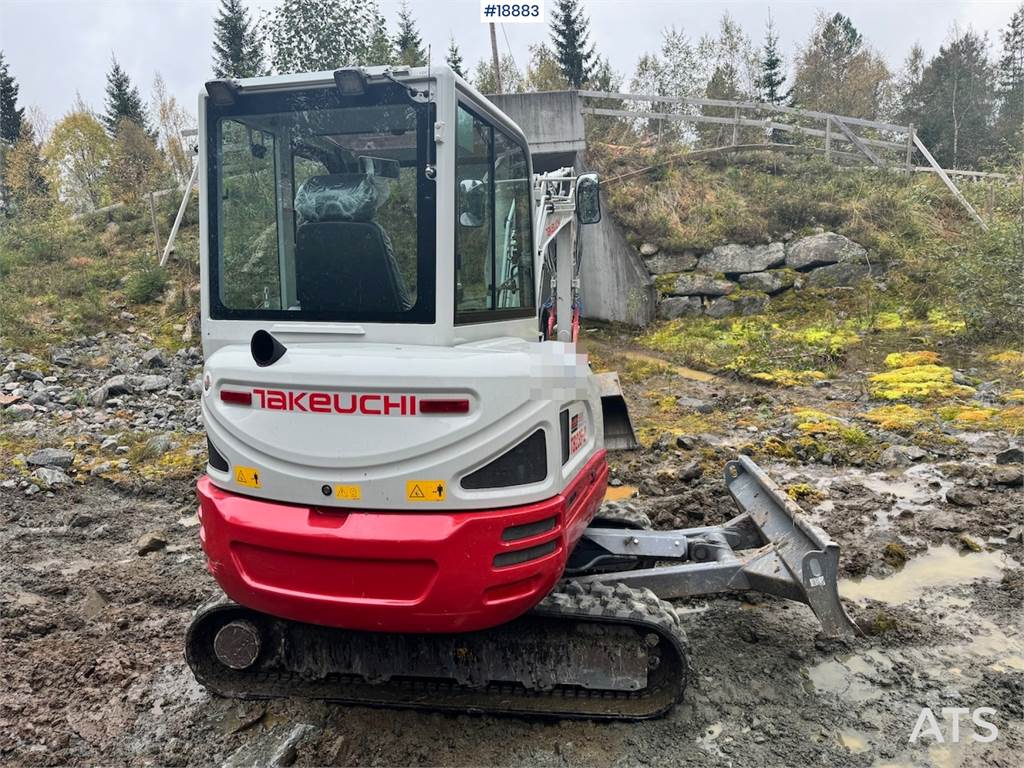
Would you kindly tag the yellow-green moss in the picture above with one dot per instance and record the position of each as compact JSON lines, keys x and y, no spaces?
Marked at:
{"x":908,"y":359}
{"x":666,"y":283}
{"x":1010,"y":361}
{"x":1012,"y":419}
{"x":783,"y":377}
{"x":1014,"y":396}
{"x":798,"y":491}
{"x":967,"y":415}
{"x":916,"y":382}
{"x":897,"y":418}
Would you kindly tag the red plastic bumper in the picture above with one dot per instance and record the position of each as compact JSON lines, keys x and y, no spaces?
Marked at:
{"x":394,"y":571}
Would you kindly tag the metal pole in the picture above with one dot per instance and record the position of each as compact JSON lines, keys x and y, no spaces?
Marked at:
{"x":494,"y":58}
{"x":181,"y":214}
{"x":736,"y":126}
{"x":828,"y":139}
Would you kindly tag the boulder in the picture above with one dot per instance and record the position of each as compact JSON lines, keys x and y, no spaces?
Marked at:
{"x":1007,"y":475}
{"x":822,"y":249}
{"x":648,"y":249}
{"x":666,"y":263}
{"x":772,"y":281}
{"x":118,"y":385}
{"x":153,"y":358}
{"x":679,"y":306}
{"x":51,"y":477}
{"x":99,"y":396}
{"x":750,"y":303}
{"x":51,"y":457}
{"x":736,"y":259}
{"x":901,"y":455}
{"x":1010,"y":456}
{"x":842,"y":275}
{"x":701,"y":285}
{"x":150,"y":542}
{"x":963,"y":497}
{"x":152,"y":383}
{"x":20,"y":412}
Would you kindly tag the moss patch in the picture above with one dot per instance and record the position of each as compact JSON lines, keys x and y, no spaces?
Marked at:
{"x":916,"y":382}
{"x":898,"y":418}
{"x":909,"y":359}
{"x":784,"y":377}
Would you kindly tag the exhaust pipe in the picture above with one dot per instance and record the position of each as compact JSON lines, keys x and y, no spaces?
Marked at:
{"x":266,"y":350}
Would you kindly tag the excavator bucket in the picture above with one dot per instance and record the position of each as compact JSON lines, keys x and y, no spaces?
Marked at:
{"x":618,"y":428}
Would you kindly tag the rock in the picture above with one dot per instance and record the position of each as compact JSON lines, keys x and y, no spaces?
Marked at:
{"x":772,"y":281}
{"x":157,"y":445}
{"x":108,"y":443}
{"x":39,"y":398}
{"x":901,"y":455}
{"x":150,"y":542}
{"x":99,"y":396}
{"x":118,"y":385}
{"x":275,"y":747}
{"x":944,"y":520}
{"x":20,"y":412}
{"x":673,"y":307}
{"x":963,"y":497}
{"x":1010,"y":456}
{"x":695,"y":284}
{"x":648,"y":249}
{"x":51,"y":457}
{"x":843,"y":275}
{"x":152,"y":383}
{"x":970,"y":544}
{"x":746,"y":304}
{"x":819,"y":250}
{"x":694,"y":404}
{"x":154,"y":358}
{"x":93,"y":603}
{"x":51,"y":477}
{"x":736,"y":259}
{"x":665,"y":263}
{"x":686,"y":443}
{"x":691,"y":471}
{"x":1004,"y":475}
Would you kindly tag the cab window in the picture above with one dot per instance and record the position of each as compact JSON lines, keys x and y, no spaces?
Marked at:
{"x":493,"y":235}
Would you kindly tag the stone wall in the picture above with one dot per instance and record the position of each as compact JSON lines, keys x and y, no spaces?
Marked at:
{"x":741,"y":279}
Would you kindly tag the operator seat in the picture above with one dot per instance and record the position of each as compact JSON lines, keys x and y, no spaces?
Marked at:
{"x":344,"y":261}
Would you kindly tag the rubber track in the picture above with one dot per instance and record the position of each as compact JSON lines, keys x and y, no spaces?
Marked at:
{"x":573,"y":602}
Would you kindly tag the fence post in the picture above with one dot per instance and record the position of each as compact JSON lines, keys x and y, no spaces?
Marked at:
{"x":910,"y":150}
{"x":152,"y":213}
{"x":828,"y":138}
{"x":736,"y":126}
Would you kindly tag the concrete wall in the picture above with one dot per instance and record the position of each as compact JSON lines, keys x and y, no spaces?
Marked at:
{"x":614,"y":282}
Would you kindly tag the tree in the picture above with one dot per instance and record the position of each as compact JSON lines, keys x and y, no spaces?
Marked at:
{"x":408,"y":44}
{"x":672,"y":71}
{"x":728,"y":72}
{"x":511,"y":80}
{"x":573,"y":50}
{"x":907,"y":105}
{"x":1010,"y":85}
{"x":24,"y":183}
{"x":77,"y":157}
{"x":379,"y":51}
{"x":237,"y":47}
{"x":318,"y":35}
{"x":837,"y":72}
{"x":454,"y":57}
{"x":136,"y":166}
{"x":958,"y":101}
{"x":11,"y":114}
{"x":171,"y":120}
{"x":123,"y":101}
{"x":543,"y":72}
{"x":771,"y":78}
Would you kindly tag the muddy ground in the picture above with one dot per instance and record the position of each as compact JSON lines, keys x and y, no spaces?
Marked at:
{"x":92,"y":630}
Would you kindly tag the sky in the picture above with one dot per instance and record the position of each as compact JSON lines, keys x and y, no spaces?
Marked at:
{"x":57,"y":48}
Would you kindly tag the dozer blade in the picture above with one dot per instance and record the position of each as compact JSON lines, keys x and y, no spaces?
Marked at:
{"x":618,"y":428}
{"x":801,"y":561}
{"x":768,"y":547}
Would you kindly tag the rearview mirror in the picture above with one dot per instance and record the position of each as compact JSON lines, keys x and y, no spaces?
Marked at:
{"x":472,"y":203}
{"x":380,"y":166}
{"x":588,"y":198}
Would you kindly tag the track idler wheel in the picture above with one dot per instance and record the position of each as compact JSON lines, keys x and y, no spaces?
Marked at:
{"x":237,"y":644}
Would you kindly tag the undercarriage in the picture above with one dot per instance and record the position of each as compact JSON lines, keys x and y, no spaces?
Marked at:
{"x":604,"y":644}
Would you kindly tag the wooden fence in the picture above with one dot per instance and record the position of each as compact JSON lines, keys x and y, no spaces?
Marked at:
{"x":889,"y":146}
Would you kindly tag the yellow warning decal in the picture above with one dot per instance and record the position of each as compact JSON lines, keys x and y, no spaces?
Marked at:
{"x":426,"y":490}
{"x":247,"y":476}
{"x":347,"y":492}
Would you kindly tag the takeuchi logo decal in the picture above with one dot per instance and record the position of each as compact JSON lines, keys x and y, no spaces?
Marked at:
{"x":370,"y":404}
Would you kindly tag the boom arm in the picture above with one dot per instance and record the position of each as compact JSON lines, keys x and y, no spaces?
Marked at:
{"x":557,"y":223}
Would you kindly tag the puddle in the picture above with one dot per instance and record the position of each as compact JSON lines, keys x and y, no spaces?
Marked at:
{"x":845,"y":679}
{"x":855,"y":741}
{"x":941,"y":566}
{"x":679,"y":370}
{"x":621,"y":493}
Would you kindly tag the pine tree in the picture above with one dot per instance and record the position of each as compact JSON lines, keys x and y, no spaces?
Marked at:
{"x":318,"y":35}
{"x":237,"y":47}
{"x":454,"y":57}
{"x":772,"y":78}
{"x":123,"y":101}
{"x":1010,"y":84}
{"x":408,"y":44}
{"x":569,"y":33}
{"x":11,"y":115}
{"x":378,"y":47}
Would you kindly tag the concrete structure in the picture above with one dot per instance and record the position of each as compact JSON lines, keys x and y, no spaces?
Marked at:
{"x":615,"y":283}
